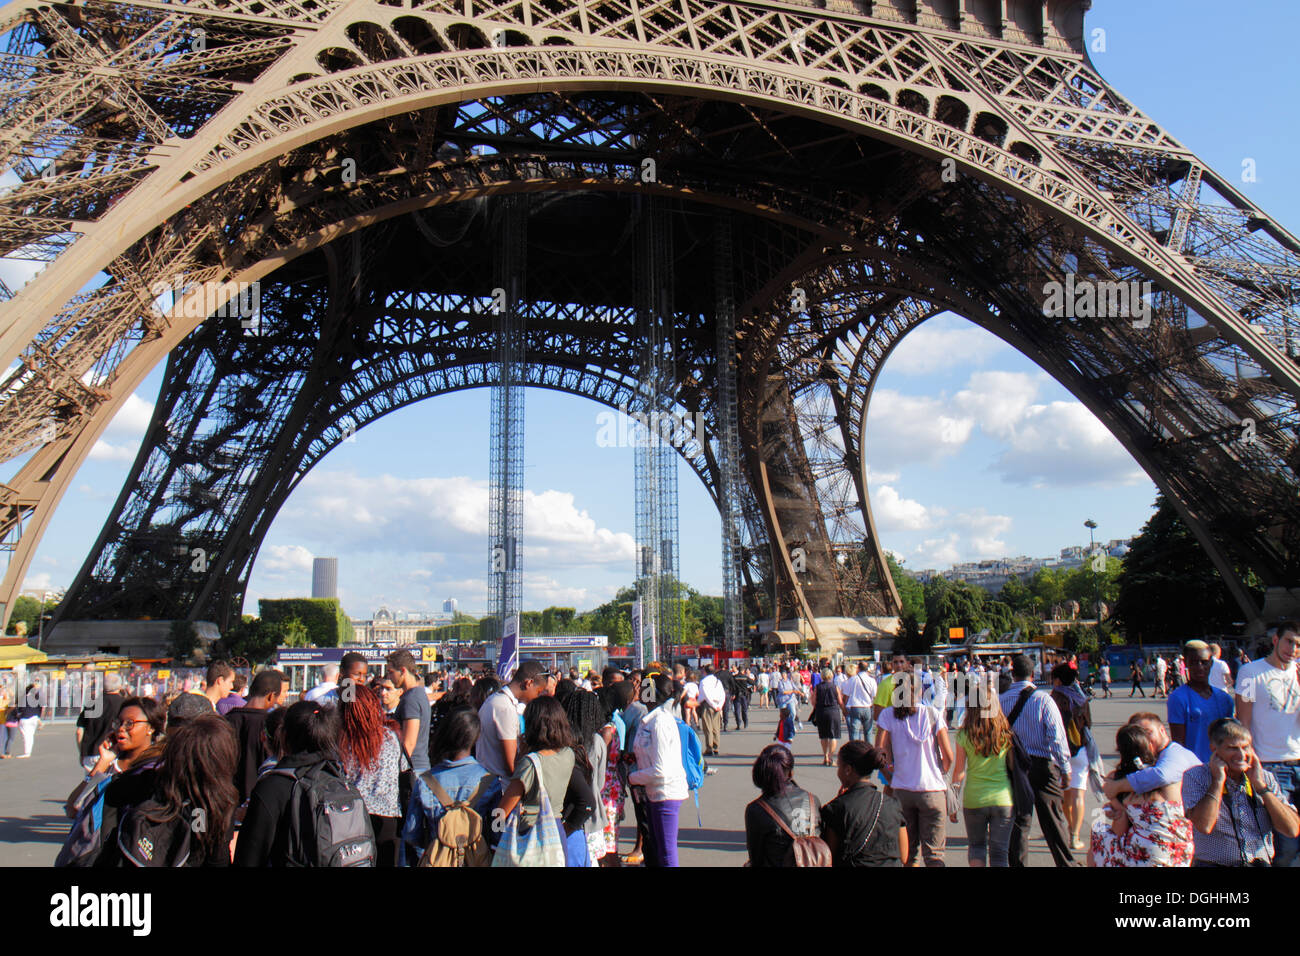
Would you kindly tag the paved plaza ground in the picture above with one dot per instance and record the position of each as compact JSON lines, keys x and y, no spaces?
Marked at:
{"x":32,"y":791}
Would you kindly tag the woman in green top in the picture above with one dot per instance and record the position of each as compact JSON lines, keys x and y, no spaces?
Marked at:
{"x":982,"y":745}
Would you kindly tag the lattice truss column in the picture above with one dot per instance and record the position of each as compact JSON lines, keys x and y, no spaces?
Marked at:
{"x":506,"y":470}
{"x":655,"y":472}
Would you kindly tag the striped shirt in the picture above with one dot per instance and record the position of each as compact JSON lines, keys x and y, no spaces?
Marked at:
{"x":1039,"y":725}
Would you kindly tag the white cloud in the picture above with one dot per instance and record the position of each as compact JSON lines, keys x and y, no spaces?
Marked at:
{"x":1059,"y":443}
{"x":939,"y":344}
{"x":435,"y":516}
{"x":37,"y":582}
{"x":282,"y":558}
{"x":103,"y":451}
{"x":892,"y":512}
{"x":132,"y":418}
{"x":911,"y":428}
{"x":126,"y":429}
{"x":1064,"y":444}
{"x":982,"y":533}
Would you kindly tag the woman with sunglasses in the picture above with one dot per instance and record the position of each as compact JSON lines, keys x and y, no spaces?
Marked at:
{"x":124,"y":775}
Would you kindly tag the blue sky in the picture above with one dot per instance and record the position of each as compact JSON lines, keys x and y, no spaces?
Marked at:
{"x":973,"y":451}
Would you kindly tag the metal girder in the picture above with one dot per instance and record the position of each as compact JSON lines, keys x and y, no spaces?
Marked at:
{"x":217,"y":142}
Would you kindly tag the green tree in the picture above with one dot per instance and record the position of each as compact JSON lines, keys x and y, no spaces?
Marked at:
{"x":910,"y":591}
{"x":1083,"y":583}
{"x":252,"y":639}
{"x":183,"y":642}
{"x":294,"y":633}
{"x":1018,"y":596}
{"x":326,"y":623}
{"x":1169,"y":590}
{"x":28,"y":610}
{"x":1048,"y":587}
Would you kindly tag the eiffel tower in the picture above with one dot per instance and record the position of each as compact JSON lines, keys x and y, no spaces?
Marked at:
{"x":817,"y":178}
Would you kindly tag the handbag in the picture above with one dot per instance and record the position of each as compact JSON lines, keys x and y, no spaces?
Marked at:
{"x":805,"y":850}
{"x":1019,"y":762}
{"x":543,"y":844}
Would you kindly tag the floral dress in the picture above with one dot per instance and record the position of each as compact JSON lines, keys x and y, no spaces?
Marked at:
{"x":612,"y":794}
{"x":1158,"y":835}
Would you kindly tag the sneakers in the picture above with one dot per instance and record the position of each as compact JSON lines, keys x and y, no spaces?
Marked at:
{"x":710,"y":771}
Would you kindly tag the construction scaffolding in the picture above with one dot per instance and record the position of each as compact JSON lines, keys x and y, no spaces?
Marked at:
{"x":658,"y":551}
{"x":728,"y":438}
{"x":506,"y":481}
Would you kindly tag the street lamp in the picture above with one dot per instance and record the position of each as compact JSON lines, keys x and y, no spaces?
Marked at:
{"x":1092,"y":547}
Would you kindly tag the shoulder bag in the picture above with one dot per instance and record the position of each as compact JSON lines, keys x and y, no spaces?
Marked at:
{"x":1019,"y":761}
{"x":804,"y":850}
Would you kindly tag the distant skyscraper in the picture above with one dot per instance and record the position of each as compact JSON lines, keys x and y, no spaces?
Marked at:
{"x":449,"y":606}
{"x":325,"y":578}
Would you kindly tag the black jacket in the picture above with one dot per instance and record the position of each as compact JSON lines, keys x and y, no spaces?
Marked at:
{"x":264,"y":837}
{"x":248,"y":723}
{"x":95,"y":729}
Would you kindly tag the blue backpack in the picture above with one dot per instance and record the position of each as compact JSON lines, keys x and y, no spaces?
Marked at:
{"x":692,"y":755}
{"x":85,"y":841}
{"x":692,"y":761}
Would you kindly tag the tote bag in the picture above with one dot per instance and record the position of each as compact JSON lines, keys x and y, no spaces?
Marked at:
{"x":543,"y":845}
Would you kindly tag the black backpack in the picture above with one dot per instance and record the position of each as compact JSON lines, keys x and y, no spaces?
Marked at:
{"x":328,"y":821}
{"x":145,"y":843}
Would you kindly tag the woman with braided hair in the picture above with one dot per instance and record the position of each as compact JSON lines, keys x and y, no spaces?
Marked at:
{"x":371,"y":755}
{"x":591,"y":736}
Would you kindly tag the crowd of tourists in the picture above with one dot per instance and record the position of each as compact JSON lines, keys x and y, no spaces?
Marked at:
{"x":392,"y":769}
{"x":1212,"y":784}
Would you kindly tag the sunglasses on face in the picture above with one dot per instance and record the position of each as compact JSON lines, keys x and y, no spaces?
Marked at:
{"x":127,"y":725}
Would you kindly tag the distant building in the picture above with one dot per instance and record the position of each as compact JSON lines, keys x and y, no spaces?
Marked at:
{"x":992,"y":573}
{"x":450,"y":606}
{"x":395,"y":627}
{"x":325,"y":578}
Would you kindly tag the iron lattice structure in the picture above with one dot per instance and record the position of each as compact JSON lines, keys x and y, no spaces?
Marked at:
{"x":506,"y":465}
{"x":887,"y":159}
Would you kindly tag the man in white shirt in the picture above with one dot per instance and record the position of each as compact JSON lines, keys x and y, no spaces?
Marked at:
{"x":329,"y":683}
{"x":1268,"y":702}
{"x":713,"y":697}
{"x":859,"y":691}
{"x":1162,"y":668}
{"x":1220,"y":672}
{"x":499,"y":731}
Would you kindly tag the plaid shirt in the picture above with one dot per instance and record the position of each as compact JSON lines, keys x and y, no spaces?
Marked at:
{"x":1243,"y":834}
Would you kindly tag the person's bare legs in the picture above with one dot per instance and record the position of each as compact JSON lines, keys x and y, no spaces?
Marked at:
{"x":1073,"y":805}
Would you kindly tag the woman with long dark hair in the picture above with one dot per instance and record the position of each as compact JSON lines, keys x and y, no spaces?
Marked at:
{"x":456,"y":697}
{"x":614,"y":789}
{"x":1144,"y":829}
{"x":370,"y":753}
{"x":123,"y":775}
{"x":455,"y":776}
{"x":483,"y":688}
{"x":547,"y":762}
{"x":591,"y":734}
{"x":194,"y":798}
{"x":310,"y":736}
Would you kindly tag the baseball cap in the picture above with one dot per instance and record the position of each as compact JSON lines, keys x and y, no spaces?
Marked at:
{"x":187,"y":707}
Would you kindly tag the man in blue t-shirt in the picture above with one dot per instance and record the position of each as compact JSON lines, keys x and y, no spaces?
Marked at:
{"x":413,"y":710}
{"x":1195,"y":705}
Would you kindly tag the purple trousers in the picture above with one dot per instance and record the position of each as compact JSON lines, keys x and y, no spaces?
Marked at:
{"x":661,"y":843}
